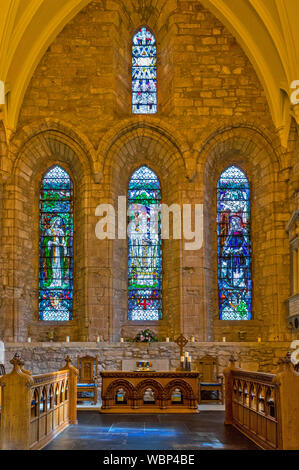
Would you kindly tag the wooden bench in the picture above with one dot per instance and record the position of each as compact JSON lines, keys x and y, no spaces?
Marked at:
{"x":35,"y":409}
{"x":263,"y":406}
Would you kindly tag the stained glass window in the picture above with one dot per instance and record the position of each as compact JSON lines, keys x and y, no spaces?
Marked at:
{"x":56,"y":246}
{"x":144,"y":246}
{"x":144,"y":72}
{"x":234,"y":246}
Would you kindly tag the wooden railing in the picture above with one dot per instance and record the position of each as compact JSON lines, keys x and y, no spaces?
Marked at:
{"x":0,"y":392}
{"x":264,"y":407}
{"x":35,"y":409}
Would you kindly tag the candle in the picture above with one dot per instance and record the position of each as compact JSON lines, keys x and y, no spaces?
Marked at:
{"x":121,"y":340}
{"x":186,"y":354}
{"x":182,"y":358}
{"x":98,"y":339}
{"x":193,"y":339}
{"x":259,"y":340}
{"x":224,"y":339}
{"x":67,"y":339}
{"x":29,"y":339}
{"x":167,"y":340}
{"x":189,"y":359}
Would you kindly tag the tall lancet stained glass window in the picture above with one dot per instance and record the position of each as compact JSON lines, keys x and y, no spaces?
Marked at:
{"x":144,"y":72}
{"x":234,"y":246}
{"x":56,"y":246}
{"x":144,"y":246}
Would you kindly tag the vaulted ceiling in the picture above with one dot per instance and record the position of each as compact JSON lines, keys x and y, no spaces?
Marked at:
{"x":266,"y":29}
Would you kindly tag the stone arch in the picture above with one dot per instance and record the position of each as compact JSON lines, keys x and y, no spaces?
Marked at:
{"x":181,"y":385}
{"x":50,"y":137}
{"x":121,"y":152}
{"x":253,"y":153}
{"x":117,"y":384}
{"x":153,"y":384}
{"x":140,"y":128}
{"x":35,"y":149}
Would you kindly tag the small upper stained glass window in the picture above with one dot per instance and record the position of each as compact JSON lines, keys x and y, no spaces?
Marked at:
{"x":144,"y":72}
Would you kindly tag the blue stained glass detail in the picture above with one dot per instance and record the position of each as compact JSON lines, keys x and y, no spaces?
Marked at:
{"x":144,"y":246}
{"x":144,"y":72}
{"x":56,"y":246}
{"x":234,"y":245}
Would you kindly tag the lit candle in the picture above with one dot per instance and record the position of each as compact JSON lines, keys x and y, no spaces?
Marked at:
{"x":67,"y":339}
{"x":259,"y":340}
{"x":186,"y":354}
{"x":182,"y":358}
{"x":224,"y":339}
{"x":98,"y":339}
{"x":189,"y":359}
{"x":121,"y":340}
{"x":29,"y":339}
{"x":193,"y":339}
{"x":167,"y":340}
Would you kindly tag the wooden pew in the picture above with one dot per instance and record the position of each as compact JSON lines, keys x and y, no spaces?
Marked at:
{"x":2,"y":372}
{"x":264,"y":407}
{"x":35,"y":409}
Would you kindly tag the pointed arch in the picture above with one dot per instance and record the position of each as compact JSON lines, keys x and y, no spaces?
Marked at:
{"x":56,"y":246}
{"x":234,"y":245}
{"x":144,"y":72}
{"x":144,"y":246}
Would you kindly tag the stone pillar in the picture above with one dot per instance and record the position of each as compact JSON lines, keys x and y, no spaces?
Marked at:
{"x":293,"y":302}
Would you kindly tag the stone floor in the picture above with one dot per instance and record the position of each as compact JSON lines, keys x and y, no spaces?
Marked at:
{"x":97,"y":431}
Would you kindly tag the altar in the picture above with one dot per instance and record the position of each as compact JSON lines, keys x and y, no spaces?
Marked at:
{"x":149,"y":392}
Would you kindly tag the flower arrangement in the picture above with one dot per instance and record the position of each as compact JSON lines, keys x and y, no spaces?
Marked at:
{"x":146,"y":336}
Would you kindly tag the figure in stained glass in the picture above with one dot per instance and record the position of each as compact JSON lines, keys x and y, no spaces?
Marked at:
{"x":234,"y":246}
{"x":144,"y":72}
{"x":144,"y":246}
{"x":58,"y":252}
{"x":56,"y":246}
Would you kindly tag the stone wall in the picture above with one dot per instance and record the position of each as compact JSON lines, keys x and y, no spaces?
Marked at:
{"x":47,"y":357}
{"x":212,"y":113}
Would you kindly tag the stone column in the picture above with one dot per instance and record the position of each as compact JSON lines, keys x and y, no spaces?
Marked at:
{"x":295,"y":254}
{"x":293,"y":301}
